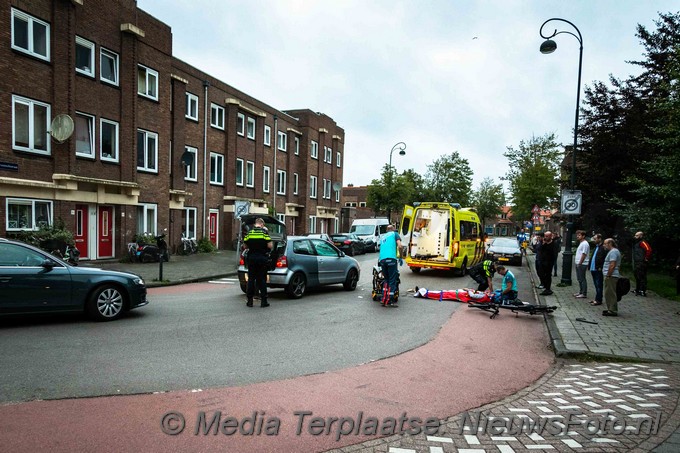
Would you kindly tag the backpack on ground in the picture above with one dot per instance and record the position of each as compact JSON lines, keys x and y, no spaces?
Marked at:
{"x":622,"y":287}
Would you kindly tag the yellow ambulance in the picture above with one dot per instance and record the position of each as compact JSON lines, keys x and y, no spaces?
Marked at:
{"x":441,"y":236}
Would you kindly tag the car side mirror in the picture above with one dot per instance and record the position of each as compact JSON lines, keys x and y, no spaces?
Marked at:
{"x":341,"y":254}
{"x":48,"y":264}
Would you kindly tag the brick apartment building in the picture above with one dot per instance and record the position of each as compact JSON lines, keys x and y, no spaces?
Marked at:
{"x":157,"y":143}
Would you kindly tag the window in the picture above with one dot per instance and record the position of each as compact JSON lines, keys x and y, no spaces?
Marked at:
{"x":328,"y":155}
{"x":251,"y":128}
{"x":24,"y":214}
{"x":312,"y":186}
{"x":84,"y":56}
{"x":283,"y":141}
{"x":468,"y":230}
{"x":315,"y":150}
{"x":192,"y":107}
{"x":147,"y":82}
{"x":297,"y":145}
{"x":239,"y":172}
{"x":189,"y":221}
{"x":250,"y":174}
{"x":295,"y":183}
{"x":108,"y":140}
{"x":267,"y":135}
{"x":146,"y":219}
{"x":147,"y":151}
{"x":265,"y":179}
{"x":337,"y":196}
{"x":190,"y":171}
{"x":281,"y":217}
{"x":240,"y":125}
{"x":217,"y":116}
{"x":84,"y":135}
{"x":217,"y":169}
{"x":108,"y":66}
{"x":30,"y":125}
{"x":280,"y":182}
{"x":362,"y":204}
{"x":337,"y":159}
{"x":30,"y":35}
{"x":327,"y":189}
{"x":312,"y":223}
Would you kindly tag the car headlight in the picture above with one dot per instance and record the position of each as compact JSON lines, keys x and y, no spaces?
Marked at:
{"x":139,"y":281}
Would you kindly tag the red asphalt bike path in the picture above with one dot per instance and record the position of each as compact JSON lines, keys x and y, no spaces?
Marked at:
{"x":472,"y":361}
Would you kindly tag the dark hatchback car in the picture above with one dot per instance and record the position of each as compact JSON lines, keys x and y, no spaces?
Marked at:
{"x":349,"y":243}
{"x":33,"y":281}
{"x":505,"y":250}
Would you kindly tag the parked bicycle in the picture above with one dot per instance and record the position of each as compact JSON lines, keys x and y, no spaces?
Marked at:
{"x":187,"y":246}
{"x":70,"y":254}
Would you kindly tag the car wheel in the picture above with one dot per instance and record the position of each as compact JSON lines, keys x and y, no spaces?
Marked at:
{"x":106,"y":303}
{"x":463,"y":268}
{"x":415,"y":270}
{"x":244,"y":287}
{"x":297,"y":286}
{"x":350,"y":251}
{"x":351,"y":280}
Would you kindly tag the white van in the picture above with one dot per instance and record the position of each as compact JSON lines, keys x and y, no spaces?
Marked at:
{"x":369,"y":230}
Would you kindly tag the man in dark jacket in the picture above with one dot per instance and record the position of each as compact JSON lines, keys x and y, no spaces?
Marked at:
{"x":642,"y":252}
{"x":483,"y":274}
{"x":547,"y":254}
{"x":259,"y":244}
{"x":596,"y":263}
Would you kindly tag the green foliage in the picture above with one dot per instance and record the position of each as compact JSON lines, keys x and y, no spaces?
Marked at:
{"x":488,"y":200}
{"x":145,"y":239}
{"x":205,"y":246}
{"x":391,"y":192}
{"x":449,"y":179}
{"x":47,"y":237}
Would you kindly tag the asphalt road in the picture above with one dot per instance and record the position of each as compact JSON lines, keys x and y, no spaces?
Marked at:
{"x":203,"y":336}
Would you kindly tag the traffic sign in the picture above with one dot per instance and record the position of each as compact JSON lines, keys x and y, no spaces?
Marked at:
{"x":571,"y":202}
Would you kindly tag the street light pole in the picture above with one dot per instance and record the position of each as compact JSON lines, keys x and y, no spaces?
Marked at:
{"x":401,"y":146}
{"x":549,"y":46}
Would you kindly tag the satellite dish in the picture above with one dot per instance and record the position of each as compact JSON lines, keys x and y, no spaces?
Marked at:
{"x":337,"y":186}
{"x":61,"y":128}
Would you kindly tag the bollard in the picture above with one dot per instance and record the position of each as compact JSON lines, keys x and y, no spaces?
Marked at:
{"x":160,"y":266}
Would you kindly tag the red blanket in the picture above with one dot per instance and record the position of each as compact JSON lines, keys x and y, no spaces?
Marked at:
{"x":461,"y":295}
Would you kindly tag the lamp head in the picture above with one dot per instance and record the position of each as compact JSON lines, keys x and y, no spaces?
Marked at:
{"x":548,"y":46}
{"x":402,"y":152}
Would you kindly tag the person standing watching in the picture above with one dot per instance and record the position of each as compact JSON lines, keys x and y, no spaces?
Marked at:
{"x":390,"y":251}
{"x":612,"y":263}
{"x":259,"y":245}
{"x":596,"y":263}
{"x":581,"y":259}
{"x":483,"y":273}
{"x":547,"y":254}
{"x":642,"y":252}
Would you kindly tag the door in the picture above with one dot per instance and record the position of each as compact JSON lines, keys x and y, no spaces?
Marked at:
{"x":105,"y":232}
{"x":80,"y":234}
{"x":331,"y":268}
{"x":212,"y":226}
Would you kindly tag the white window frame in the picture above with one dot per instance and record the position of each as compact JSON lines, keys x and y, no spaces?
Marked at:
{"x":191,"y":106}
{"x":266,"y":175}
{"x":241,"y":124}
{"x":30,"y":24}
{"x":296,"y":180}
{"x":326,"y":189}
{"x":30,"y":103}
{"x":281,"y":180}
{"x":103,"y":121}
{"x":216,"y":169}
{"x":113,"y":56}
{"x":314,"y":152}
{"x":88,"y":45}
{"x":147,"y":135}
{"x":91,"y":127}
{"x":190,"y":214}
{"x":297,"y":145}
{"x":250,"y":128}
{"x":217,"y":116}
{"x":267,"y":135}
{"x":328,"y":158}
{"x":313,"y":183}
{"x":312,"y":224}
{"x":250,"y":174}
{"x":240,"y":169}
{"x":282,"y":141}
{"x":337,"y":196}
{"x":191,"y":171}
{"x":362,"y":204}
{"x":142,"y":227}
{"x":150,"y":75}
{"x":27,"y":202}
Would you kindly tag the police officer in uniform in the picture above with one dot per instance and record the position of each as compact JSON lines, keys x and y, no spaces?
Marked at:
{"x":259,"y":245}
{"x":483,"y":274}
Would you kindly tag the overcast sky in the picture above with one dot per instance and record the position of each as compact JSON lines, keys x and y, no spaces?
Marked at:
{"x":441,"y":75}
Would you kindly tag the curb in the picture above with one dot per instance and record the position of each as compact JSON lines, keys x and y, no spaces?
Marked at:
{"x":157,"y":284}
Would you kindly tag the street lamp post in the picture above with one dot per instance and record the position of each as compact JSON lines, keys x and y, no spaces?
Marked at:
{"x":401,"y":146}
{"x":549,"y":46}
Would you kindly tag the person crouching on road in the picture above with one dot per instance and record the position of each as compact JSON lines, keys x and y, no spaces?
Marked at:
{"x":509,"y":284}
{"x":390,"y":251}
{"x":483,"y":273}
{"x":259,"y":245}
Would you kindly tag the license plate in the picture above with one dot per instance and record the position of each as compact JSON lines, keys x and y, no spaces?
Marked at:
{"x":503,"y":259}
{"x":337,"y":243}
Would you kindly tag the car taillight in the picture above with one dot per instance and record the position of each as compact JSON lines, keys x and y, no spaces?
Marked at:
{"x":282,"y":262}
{"x":347,"y":242}
{"x":455,"y":248}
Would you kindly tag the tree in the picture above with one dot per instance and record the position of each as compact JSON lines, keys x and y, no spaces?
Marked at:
{"x":489,"y":200}
{"x":449,"y":179}
{"x":534,"y":174}
{"x":391,"y":192}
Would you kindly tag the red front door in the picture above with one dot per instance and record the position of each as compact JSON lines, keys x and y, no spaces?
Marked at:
{"x":80,"y":230}
{"x":212,"y":220}
{"x":105,"y":231}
